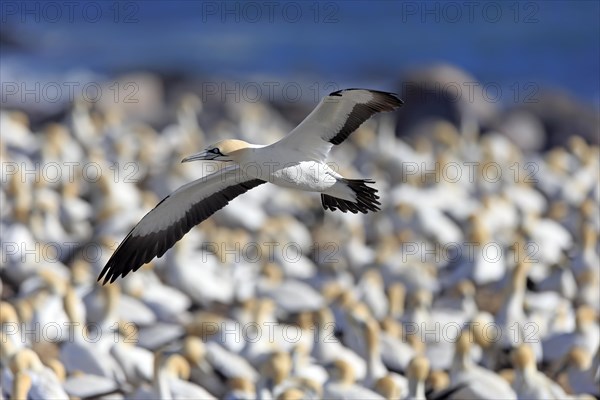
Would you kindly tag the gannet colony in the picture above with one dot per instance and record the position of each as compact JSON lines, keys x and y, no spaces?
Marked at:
{"x":467,"y":266}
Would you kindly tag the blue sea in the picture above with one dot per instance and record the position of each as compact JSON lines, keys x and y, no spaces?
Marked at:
{"x":552,"y":44}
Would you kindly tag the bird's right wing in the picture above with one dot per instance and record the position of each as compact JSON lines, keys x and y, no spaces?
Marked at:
{"x":173,"y":217}
{"x":335,"y":118}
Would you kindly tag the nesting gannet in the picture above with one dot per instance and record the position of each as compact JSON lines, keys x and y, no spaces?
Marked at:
{"x":480,"y":383}
{"x":136,"y":362}
{"x":11,"y":327}
{"x":580,"y":373}
{"x":418,"y":369}
{"x":44,"y":383}
{"x":79,"y":353}
{"x":211,"y":364}
{"x":327,"y":348}
{"x":171,"y":374}
{"x":240,"y":389}
{"x":21,"y":385}
{"x":85,"y":386}
{"x":297,"y":161}
{"x":275,"y":371}
{"x":371,"y":290}
{"x":396,"y":352}
{"x":586,"y":335}
{"x":303,"y":366}
{"x":167,"y":303}
{"x":529,"y":383}
{"x":342,"y":384}
{"x":291,"y":295}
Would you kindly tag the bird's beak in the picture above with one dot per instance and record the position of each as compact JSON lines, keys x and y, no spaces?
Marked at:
{"x":203,"y":155}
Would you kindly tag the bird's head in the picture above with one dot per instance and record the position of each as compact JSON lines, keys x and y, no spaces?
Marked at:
{"x":224,"y":150}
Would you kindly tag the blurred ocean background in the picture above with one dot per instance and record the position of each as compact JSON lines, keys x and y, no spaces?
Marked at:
{"x":555,"y":44}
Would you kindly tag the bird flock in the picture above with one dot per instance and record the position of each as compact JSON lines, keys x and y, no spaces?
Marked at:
{"x":479,"y":278}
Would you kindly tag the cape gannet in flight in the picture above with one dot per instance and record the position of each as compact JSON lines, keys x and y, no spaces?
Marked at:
{"x":296,"y":161}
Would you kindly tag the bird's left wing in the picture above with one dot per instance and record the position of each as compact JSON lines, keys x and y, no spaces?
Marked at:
{"x":173,"y":217}
{"x":335,"y":118}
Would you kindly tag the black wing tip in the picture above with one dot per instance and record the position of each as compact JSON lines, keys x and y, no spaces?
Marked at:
{"x":389,"y":97}
{"x":131,"y":255}
{"x":363,"y":110}
{"x":100,"y":278}
{"x":366,"y":198}
{"x":109,"y":273}
{"x":135,"y":251}
{"x":115,"y":264}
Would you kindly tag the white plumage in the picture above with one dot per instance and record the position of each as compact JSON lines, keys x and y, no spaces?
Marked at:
{"x":297,"y":161}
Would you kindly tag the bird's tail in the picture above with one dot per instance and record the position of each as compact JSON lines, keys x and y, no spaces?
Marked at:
{"x":366,"y":198}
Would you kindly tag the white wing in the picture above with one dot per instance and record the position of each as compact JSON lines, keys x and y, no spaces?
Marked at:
{"x":335,"y":118}
{"x":173,"y":217}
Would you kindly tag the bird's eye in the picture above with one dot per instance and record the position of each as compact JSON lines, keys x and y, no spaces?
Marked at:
{"x":215,"y":151}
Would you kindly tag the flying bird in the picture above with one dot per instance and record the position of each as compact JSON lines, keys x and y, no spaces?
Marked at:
{"x":296,"y":161}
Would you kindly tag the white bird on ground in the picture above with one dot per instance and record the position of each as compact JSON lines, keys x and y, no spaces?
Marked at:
{"x":585,"y":335}
{"x":163,"y":302}
{"x":85,"y":386}
{"x":371,"y":291}
{"x":136,"y":362}
{"x":588,"y":259}
{"x":396,"y":352}
{"x":215,"y":284}
{"x":418,"y":369}
{"x":512,"y":315}
{"x":277,"y":383}
{"x":304,"y":366}
{"x":44,"y":382}
{"x":529,"y":383}
{"x":240,"y":389}
{"x":550,"y":237}
{"x":327,"y":348}
{"x":297,"y":161}
{"x":580,"y":372}
{"x":21,"y":386}
{"x":83,"y":352}
{"x":275,"y":370}
{"x":11,"y":327}
{"x":376,"y":370}
{"x":48,"y":306}
{"x":211,"y":363}
{"x":480,"y":383}
{"x":170,"y":381}
{"x":342,"y":384}
{"x":291,"y":295}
